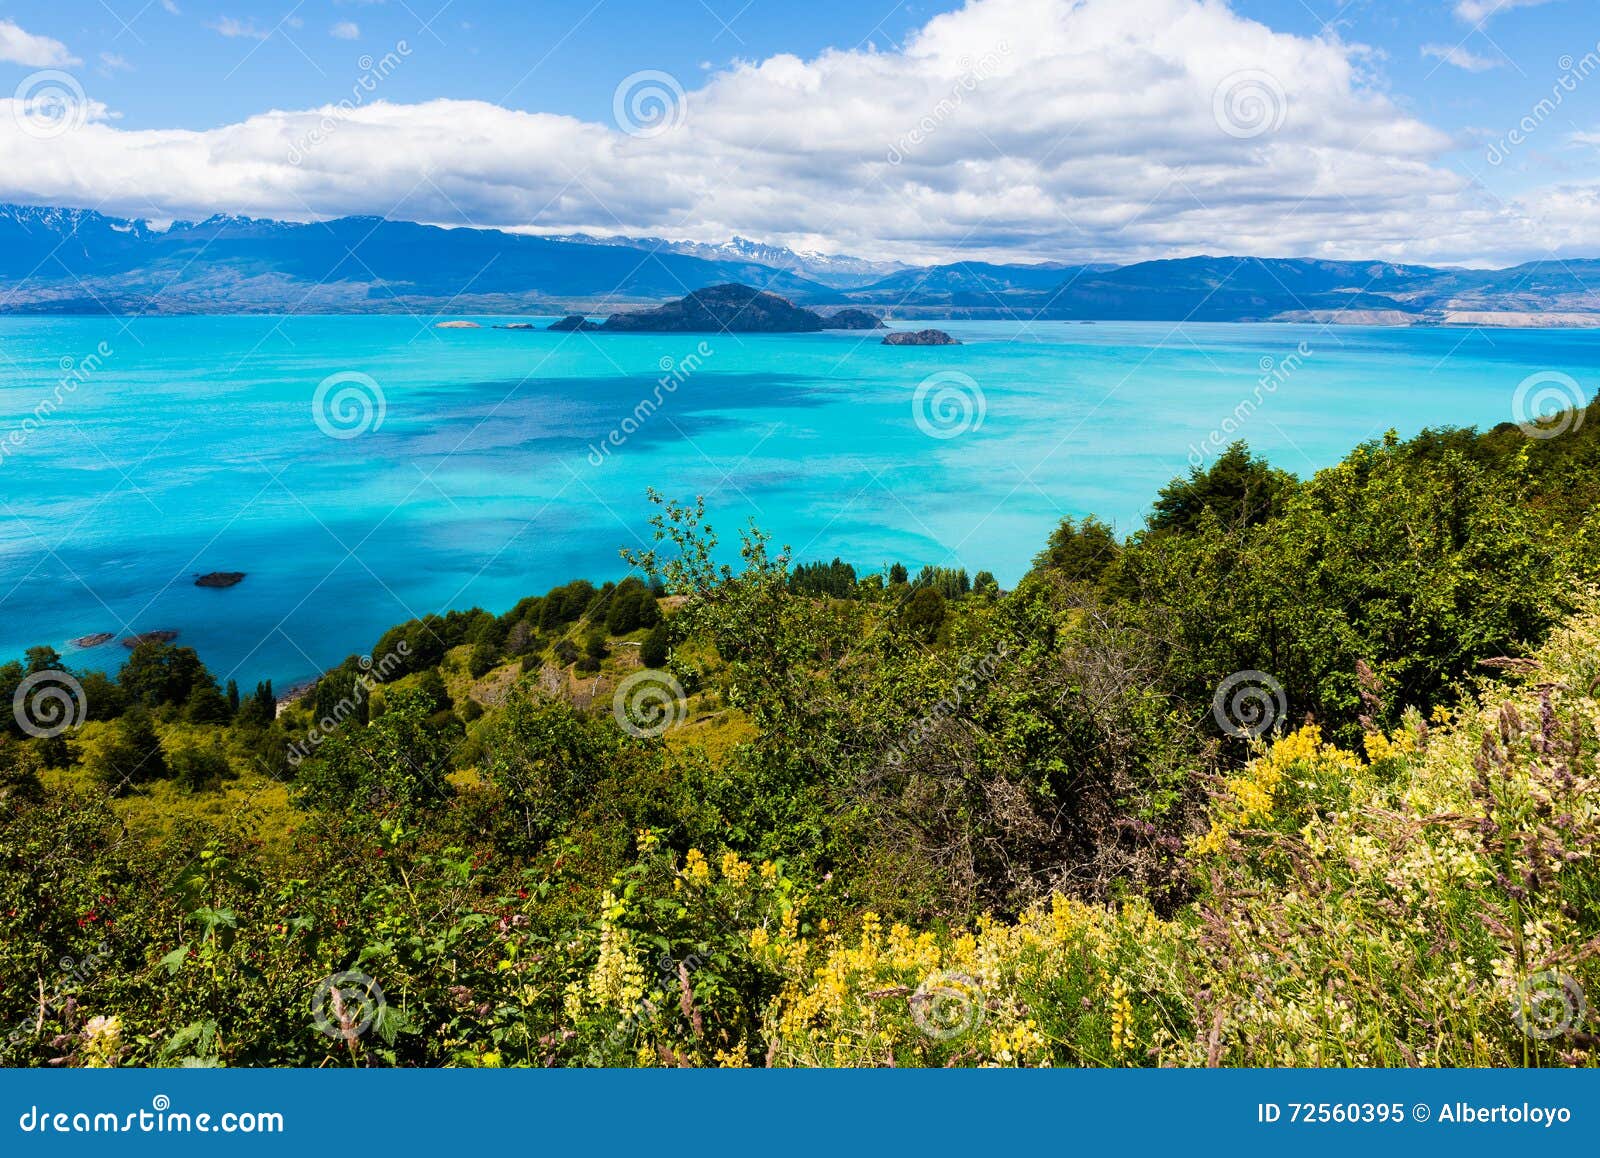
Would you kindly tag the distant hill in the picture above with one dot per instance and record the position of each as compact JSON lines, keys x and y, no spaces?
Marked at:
{"x":55,"y":260}
{"x":832,"y":270}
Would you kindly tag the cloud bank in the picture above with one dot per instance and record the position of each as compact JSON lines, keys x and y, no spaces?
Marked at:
{"x":1019,"y":129}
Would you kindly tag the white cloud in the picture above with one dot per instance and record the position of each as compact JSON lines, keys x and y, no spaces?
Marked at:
{"x":235,"y":29}
{"x":1012,"y":129}
{"x":1477,"y":11}
{"x":111,"y":62}
{"x":345,"y":30}
{"x":18,"y":46}
{"x":171,"y":7}
{"x":1461,"y":57}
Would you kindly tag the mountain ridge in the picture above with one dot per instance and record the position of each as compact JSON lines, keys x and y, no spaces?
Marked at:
{"x":67,"y":260}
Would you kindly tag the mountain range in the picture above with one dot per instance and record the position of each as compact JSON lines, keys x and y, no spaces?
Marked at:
{"x":57,"y":260}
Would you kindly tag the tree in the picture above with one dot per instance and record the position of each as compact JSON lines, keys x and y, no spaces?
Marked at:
{"x":157,"y":674}
{"x":545,"y":758}
{"x":925,"y":614}
{"x":483,"y":657}
{"x":197,"y":768}
{"x":260,"y":709}
{"x":207,"y":705}
{"x":43,"y":659}
{"x":1079,"y":549}
{"x":653,"y":651}
{"x":396,"y":764}
{"x":1239,"y":489}
{"x":126,"y":753}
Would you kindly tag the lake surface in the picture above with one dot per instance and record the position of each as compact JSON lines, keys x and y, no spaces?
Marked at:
{"x":507,"y":461}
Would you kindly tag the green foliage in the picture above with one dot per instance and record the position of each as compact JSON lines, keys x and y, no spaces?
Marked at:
{"x":925,"y":614}
{"x":396,"y":765}
{"x":1238,"y":490}
{"x":1079,"y":550}
{"x":836,"y":579}
{"x":159,"y":674}
{"x":122,"y":755}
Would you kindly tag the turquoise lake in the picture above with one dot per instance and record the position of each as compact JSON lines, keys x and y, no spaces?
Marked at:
{"x":188,"y":445}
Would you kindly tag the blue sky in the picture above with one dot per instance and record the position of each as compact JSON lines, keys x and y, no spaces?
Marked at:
{"x":1450,"y":77}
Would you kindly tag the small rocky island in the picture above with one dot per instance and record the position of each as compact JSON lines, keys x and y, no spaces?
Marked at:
{"x":574,"y":323}
{"x":219,"y":579}
{"x":94,"y":639}
{"x":457,"y":326}
{"x":514,"y":325}
{"x":163,"y":636}
{"x":854,"y":319}
{"x":920,"y":338}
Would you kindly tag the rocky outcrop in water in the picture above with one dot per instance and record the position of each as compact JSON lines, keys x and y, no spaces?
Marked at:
{"x":920,"y":338}
{"x":854,"y":319}
{"x":219,"y":579}
{"x":93,"y":640}
{"x":574,"y":323}
{"x":163,"y":636}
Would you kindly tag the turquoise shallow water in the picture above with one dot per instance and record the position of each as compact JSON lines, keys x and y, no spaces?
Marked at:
{"x":191,"y":445}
